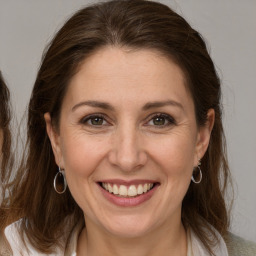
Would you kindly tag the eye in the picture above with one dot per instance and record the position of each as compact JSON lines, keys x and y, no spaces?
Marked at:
{"x":94,"y":120}
{"x":161,"y":120}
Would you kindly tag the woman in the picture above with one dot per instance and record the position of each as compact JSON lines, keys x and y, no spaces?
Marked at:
{"x":126,"y":151}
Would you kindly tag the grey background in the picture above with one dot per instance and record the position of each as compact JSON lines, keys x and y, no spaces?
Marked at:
{"x":230,"y":29}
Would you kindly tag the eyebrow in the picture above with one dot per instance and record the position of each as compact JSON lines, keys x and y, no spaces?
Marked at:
{"x":95,"y":104}
{"x":147,"y":106}
{"x":159,"y":104}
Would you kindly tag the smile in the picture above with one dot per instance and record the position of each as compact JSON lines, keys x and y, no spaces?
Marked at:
{"x":127,"y":191}
{"x":128,"y":194}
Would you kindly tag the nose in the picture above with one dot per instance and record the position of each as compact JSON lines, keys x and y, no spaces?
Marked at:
{"x":127,"y":152}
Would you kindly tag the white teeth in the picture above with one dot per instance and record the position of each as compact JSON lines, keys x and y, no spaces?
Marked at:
{"x":109,"y":188}
{"x":140,"y":189}
{"x":132,"y":191}
{"x":125,"y":191}
{"x":115,"y":189}
{"x":105,"y":185}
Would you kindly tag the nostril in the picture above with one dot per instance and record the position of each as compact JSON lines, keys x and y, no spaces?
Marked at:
{"x":128,"y":162}
{"x":127,"y":152}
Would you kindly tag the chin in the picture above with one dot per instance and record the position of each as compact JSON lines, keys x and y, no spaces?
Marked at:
{"x":129,"y":226}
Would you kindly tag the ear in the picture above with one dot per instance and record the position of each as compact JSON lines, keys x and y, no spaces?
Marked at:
{"x":204,"y":135}
{"x":55,"y":140}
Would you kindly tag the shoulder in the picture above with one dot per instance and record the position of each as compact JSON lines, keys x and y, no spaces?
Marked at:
{"x":16,"y":244}
{"x":12,"y":239}
{"x":238,"y":246}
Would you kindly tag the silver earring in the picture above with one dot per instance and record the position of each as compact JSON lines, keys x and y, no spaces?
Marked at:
{"x":59,"y":182}
{"x":199,"y":179}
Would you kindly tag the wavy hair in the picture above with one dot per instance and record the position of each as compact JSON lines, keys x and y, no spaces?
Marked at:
{"x":136,"y":24}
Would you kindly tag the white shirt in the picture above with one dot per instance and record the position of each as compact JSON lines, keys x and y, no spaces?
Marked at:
{"x":194,"y":244}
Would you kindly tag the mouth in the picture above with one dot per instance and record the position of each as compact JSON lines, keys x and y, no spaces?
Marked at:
{"x":128,"y":194}
{"x":127,"y":191}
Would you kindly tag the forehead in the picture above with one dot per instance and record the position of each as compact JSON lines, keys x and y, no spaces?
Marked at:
{"x":118,"y":61}
{"x":125,"y":73}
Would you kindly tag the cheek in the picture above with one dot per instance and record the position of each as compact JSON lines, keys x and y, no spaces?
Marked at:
{"x":175,"y":158}
{"x":81,"y":154}
{"x":175,"y":155}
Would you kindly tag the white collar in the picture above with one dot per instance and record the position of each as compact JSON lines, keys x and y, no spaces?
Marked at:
{"x":17,"y":246}
{"x":197,"y":248}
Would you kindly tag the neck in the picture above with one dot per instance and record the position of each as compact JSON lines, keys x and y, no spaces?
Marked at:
{"x":166,"y":240}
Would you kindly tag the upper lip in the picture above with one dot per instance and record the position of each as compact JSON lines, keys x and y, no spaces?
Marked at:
{"x":127,"y":182}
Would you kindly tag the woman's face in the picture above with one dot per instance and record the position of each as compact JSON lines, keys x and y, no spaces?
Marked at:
{"x":128,"y":141}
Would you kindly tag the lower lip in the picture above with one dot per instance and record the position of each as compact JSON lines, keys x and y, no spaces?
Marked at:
{"x":128,"y":201}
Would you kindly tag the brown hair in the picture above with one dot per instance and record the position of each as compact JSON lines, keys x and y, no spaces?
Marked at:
{"x":135,"y":24}
{"x":5,"y":118}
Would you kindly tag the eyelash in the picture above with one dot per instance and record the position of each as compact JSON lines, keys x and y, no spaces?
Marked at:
{"x":170,"y":120}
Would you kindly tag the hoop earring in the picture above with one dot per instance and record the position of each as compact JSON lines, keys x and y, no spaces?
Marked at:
{"x":59,"y":182}
{"x":200,"y":174}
